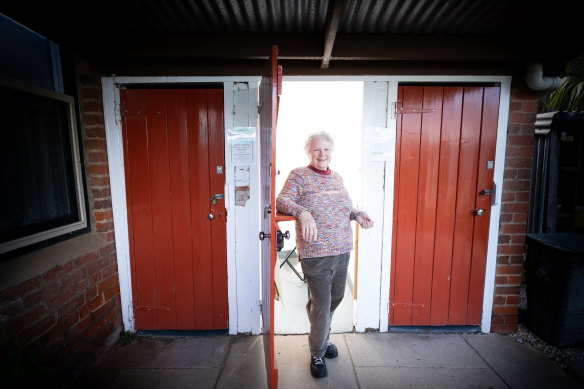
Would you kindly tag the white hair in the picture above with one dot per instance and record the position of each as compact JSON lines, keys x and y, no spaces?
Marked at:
{"x":319,"y":135}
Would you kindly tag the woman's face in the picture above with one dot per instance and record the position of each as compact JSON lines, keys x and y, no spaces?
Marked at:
{"x":320,"y":154}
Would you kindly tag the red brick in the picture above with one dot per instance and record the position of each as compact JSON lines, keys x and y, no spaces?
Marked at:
{"x":21,"y":322}
{"x":103,"y":215}
{"x":504,"y":238}
{"x":107,"y":236}
{"x":93,"y":131}
{"x":512,"y":269}
{"x":111,"y":292}
{"x":518,"y":163}
{"x":497,"y":319}
{"x":97,"y":265}
{"x":107,"y":249}
{"x":526,"y":151}
{"x":95,"y":144}
{"x":515,"y":106}
{"x":99,"y":181}
{"x":530,"y":106}
{"x":506,"y":310}
{"x":85,"y":310}
{"x":85,"y":259}
{"x":104,"y":226}
{"x":518,"y":239}
{"x":522,"y":117}
{"x":109,"y":270}
{"x":519,"y":218}
{"x":102,"y":204}
{"x":512,"y":319}
{"x":508,"y":197}
{"x":72,"y":279}
{"x":21,"y":289}
{"x":507,"y":290}
{"x":522,"y":196}
{"x":79,"y":328}
{"x":48,"y":292}
{"x":98,"y":169}
{"x":72,"y":306}
{"x":63,"y":324}
{"x":97,"y":156}
{"x":108,"y":283}
{"x":514,"y":280}
{"x":511,"y":249}
{"x":512,"y":300}
{"x":506,"y":329}
{"x":512,"y":228}
{"x":99,"y":193}
{"x":101,"y":311}
{"x":506,"y":217}
{"x":36,"y":330}
{"x":516,"y":186}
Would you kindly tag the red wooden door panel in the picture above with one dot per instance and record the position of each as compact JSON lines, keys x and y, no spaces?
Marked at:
{"x":445,"y":137}
{"x":269,"y":100}
{"x":173,"y":143}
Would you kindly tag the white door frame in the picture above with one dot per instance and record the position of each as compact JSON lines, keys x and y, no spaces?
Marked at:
{"x":374,"y":273}
{"x":243,"y":303}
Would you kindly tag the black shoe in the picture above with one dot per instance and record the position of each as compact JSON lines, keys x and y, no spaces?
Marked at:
{"x":331,"y":351}
{"x":317,"y":367}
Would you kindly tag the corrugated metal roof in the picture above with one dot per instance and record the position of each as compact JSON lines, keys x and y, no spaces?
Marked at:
{"x":436,"y":17}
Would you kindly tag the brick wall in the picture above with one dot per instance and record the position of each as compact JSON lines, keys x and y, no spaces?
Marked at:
{"x":70,"y":313}
{"x":514,"y":207}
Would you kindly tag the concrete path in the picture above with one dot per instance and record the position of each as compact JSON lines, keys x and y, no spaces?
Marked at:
{"x":370,"y":360}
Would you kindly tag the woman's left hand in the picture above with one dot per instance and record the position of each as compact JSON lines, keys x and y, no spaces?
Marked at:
{"x":364,"y":220}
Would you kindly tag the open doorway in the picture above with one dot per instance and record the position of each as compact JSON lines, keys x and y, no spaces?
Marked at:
{"x":307,"y":107}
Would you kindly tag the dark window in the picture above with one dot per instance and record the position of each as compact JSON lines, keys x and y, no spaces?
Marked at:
{"x":39,"y":171}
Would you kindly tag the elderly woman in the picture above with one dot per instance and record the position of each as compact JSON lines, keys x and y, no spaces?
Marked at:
{"x":316,"y":196}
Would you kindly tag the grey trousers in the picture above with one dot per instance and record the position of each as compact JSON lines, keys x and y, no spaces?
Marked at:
{"x":326,"y":278}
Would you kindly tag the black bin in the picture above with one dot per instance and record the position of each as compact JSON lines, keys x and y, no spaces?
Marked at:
{"x":555,"y":288}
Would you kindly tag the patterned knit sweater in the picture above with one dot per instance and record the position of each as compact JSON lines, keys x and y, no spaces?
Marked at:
{"x":326,"y":198}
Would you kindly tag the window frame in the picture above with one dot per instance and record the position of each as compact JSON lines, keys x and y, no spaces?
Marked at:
{"x":81,"y":222}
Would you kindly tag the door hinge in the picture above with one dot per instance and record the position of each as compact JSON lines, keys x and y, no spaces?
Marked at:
{"x":393,"y":109}
{"x":259,"y":109}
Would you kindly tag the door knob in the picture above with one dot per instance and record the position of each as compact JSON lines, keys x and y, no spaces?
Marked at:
{"x":478,"y":212}
{"x":210,"y":216}
{"x":263,"y":236}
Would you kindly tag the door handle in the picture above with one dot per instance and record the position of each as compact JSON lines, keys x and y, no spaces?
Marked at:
{"x":213,"y":199}
{"x":263,"y":236}
{"x":210,"y":216}
{"x":478,"y":212}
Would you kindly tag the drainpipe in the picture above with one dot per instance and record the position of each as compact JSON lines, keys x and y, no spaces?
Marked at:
{"x":536,"y":81}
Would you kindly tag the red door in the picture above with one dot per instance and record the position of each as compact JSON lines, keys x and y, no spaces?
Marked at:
{"x":269,"y":99}
{"x":444,"y":174}
{"x":174,"y":158}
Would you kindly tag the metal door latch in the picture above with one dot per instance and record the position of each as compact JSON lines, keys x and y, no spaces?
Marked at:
{"x":213,"y":199}
{"x":263,"y":236}
{"x":478,"y":212}
{"x":485,"y":192}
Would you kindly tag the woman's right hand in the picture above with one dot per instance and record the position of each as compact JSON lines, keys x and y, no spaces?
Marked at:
{"x":308,"y":227}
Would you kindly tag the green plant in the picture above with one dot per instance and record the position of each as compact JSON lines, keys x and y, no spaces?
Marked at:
{"x":20,"y":371}
{"x":570,"y":95}
{"x":127,"y":337}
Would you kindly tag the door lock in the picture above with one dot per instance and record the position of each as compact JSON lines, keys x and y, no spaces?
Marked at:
{"x":213,"y":199}
{"x":263,"y":236}
{"x":210,"y":216}
{"x":478,"y":212}
{"x":485,"y":192}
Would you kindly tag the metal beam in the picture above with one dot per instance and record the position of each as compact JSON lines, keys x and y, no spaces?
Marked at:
{"x":333,"y":18}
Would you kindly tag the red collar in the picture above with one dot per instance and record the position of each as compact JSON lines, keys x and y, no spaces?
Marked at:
{"x":324,"y":173}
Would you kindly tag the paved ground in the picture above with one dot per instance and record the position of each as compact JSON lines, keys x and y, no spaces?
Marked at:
{"x":370,"y":360}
